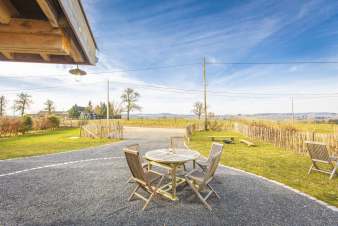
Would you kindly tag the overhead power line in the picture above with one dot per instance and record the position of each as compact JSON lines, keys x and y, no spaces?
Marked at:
{"x":159,"y":67}
{"x":275,"y":63}
{"x":230,"y":94}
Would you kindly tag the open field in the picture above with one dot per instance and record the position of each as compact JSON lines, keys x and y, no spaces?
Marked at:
{"x":46,"y":142}
{"x":181,"y":123}
{"x":273,"y":163}
{"x":303,"y":126}
{"x":162,"y":123}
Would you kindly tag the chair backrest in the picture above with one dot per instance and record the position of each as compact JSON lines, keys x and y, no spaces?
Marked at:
{"x":178,"y":142}
{"x":212,"y":167}
{"x":135,"y":165}
{"x":135,"y":147}
{"x":318,"y":151}
{"x":215,"y":149}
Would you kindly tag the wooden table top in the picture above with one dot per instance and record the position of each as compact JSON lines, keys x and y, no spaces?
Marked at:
{"x":171,"y":156}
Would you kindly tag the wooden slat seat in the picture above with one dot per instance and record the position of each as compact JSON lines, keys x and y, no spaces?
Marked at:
{"x":144,"y":179}
{"x":319,"y":154}
{"x":200,"y":181}
{"x":215,"y":149}
{"x":135,"y":147}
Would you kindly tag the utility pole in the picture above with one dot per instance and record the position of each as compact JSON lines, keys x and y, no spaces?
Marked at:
{"x":205,"y":96}
{"x":108,"y":99}
{"x":293,"y":113}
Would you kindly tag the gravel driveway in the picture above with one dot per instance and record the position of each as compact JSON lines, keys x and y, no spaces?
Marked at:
{"x":88,"y":187}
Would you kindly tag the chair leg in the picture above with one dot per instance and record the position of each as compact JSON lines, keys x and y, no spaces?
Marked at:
{"x":148,"y":201}
{"x":198,"y":194}
{"x":213,"y":190}
{"x":310,"y":169}
{"x":153,"y":193}
{"x":334,"y":171}
{"x":130,"y":180}
{"x":135,"y":190}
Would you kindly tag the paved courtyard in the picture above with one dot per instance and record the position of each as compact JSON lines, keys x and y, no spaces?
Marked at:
{"x":88,"y":187}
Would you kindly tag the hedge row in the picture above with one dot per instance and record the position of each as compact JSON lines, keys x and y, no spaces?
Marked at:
{"x":13,"y":126}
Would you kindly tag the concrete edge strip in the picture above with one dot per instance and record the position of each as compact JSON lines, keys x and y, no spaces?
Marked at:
{"x":57,"y":164}
{"x":335,"y":209}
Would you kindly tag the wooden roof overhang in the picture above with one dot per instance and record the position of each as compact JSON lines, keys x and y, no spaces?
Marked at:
{"x":50,"y":31}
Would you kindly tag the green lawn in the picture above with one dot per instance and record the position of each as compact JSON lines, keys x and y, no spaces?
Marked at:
{"x":281,"y":165}
{"x":46,"y":142}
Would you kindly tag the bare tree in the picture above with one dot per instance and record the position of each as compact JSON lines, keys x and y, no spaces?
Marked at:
{"x":129,"y":98}
{"x":198,"y":109}
{"x":49,"y":106}
{"x":23,"y":102}
{"x":115,"y":109}
{"x":2,"y":105}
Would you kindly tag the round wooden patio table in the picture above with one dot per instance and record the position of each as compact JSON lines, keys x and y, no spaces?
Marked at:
{"x":171,"y":159}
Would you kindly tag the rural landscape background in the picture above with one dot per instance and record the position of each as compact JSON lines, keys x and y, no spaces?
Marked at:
{"x":228,"y":69}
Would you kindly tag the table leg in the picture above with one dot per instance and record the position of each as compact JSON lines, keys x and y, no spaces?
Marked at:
{"x":173,"y":178}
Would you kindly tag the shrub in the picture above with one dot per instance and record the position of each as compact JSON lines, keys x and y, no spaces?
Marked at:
{"x":53,"y":122}
{"x":10,"y":126}
{"x":50,"y":122}
{"x":27,"y":124}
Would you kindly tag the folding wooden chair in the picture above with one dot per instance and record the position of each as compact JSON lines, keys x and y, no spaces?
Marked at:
{"x":135,"y":147}
{"x":144,"y":178}
{"x":215,"y":149}
{"x":179,"y":142}
{"x":319,"y":154}
{"x":200,"y":181}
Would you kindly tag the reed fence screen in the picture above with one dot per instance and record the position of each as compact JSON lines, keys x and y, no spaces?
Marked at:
{"x":287,"y":139}
{"x":102,"y":129}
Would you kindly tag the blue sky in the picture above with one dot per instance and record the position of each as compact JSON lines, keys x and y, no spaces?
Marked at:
{"x":142,"y":34}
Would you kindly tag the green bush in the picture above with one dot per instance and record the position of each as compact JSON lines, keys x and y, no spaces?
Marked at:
{"x":27,"y":123}
{"x":53,"y":122}
{"x":50,"y":122}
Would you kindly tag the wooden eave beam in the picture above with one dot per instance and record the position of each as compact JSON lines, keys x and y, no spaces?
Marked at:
{"x":49,"y":12}
{"x":26,"y":26}
{"x":45,"y":57}
{"x":8,"y":55}
{"x":78,"y":23}
{"x":37,"y":37}
{"x":5,"y":13}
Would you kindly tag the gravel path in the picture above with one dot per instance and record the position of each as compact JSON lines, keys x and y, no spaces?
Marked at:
{"x":88,"y":187}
